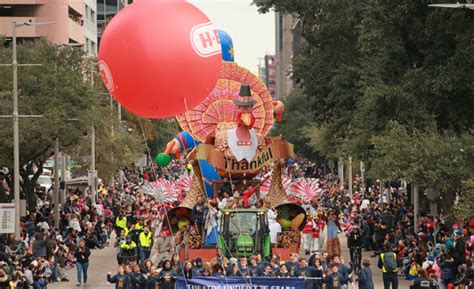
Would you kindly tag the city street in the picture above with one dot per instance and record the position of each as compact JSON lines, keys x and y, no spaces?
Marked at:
{"x":101,"y":262}
{"x":236,"y":132}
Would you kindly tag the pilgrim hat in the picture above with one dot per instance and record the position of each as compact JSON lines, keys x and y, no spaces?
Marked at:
{"x":245,"y":96}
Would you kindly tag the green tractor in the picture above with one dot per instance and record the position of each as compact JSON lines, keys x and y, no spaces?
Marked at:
{"x":244,"y":232}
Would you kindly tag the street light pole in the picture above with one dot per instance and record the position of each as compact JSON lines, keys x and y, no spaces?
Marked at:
{"x":63,"y":178}
{"x":15,"y":117}
{"x":349,"y":175}
{"x":416,"y":205}
{"x":56,"y":183}
{"x":16,"y":136}
{"x":93,"y":184}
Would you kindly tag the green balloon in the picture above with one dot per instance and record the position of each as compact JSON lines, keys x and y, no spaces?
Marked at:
{"x":162,"y":160}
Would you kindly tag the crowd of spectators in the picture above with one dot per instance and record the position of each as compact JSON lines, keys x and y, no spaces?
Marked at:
{"x":437,"y":254}
{"x":44,"y":252}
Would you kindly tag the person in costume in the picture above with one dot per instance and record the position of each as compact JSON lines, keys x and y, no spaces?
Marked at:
{"x":211,"y":223}
{"x":333,"y":245}
{"x":307,"y":233}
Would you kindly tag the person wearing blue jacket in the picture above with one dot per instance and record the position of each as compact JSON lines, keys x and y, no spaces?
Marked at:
{"x":138,"y":280}
{"x":446,"y":263}
{"x":342,"y":269}
{"x":333,"y":279}
{"x":121,"y":280}
{"x":167,"y":276}
{"x":365,"y":276}
{"x":304,"y":271}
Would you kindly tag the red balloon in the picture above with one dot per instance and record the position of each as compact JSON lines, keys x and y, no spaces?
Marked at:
{"x":160,"y":58}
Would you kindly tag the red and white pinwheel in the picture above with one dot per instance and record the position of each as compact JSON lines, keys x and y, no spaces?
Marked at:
{"x":306,"y":189}
{"x":164,"y":191}
{"x":184,"y":184}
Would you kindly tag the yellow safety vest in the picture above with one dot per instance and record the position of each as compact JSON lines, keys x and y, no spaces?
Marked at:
{"x":121,"y":223}
{"x":383,"y":266}
{"x":145,"y":240}
{"x":138,"y":227}
{"x":128,"y":246}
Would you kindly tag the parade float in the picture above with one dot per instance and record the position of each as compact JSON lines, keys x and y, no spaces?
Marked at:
{"x":225,"y":112}
{"x":228,"y":134}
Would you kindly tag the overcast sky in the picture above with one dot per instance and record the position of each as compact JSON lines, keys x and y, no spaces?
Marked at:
{"x":253,"y":34}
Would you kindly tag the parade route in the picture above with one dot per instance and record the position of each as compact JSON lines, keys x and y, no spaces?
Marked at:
{"x":103,"y":261}
{"x":330,"y":130}
{"x":100,"y":262}
{"x":376,"y":272}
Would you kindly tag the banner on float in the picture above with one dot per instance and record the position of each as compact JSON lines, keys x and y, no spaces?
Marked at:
{"x":277,"y":149}
{"x":239,"y":283}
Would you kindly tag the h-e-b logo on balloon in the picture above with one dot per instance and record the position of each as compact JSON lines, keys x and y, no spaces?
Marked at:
{"x":106,"y":76}
{"x":205,"y":40}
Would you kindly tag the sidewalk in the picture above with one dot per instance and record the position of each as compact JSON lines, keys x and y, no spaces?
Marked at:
{"x":101,"y":262}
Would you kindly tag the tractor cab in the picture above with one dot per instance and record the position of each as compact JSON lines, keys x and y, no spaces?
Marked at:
{"x":244,"y":232}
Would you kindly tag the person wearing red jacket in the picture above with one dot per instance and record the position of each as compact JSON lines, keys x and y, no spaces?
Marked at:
{"x":308,"y":233}
{"x":316,"y":235}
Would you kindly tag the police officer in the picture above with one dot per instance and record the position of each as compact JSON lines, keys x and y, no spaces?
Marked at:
{"x":128,"y":251}
{"x":121,"y":223}
{"x":388,"y":264}
{"x":145,"y":241}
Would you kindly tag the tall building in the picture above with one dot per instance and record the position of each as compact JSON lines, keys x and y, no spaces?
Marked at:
{"x":90,"y":26}
{"x":262,"y":74}
{"x":74,"y":21}
{"x":106,"y":10}
{"x":288,"y":35}
{"x":267,"y":68}
{"x":270,"y":74}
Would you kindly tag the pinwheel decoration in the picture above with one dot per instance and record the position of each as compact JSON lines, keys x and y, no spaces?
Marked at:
{"x":184,"y":184}
{"x":306,"y":189}
{"x":162,"y":190}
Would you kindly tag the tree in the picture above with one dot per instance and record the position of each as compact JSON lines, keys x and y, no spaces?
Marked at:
{"x":296,"y":115}
{"x":157,"y":132}
{"x":429,"y":158}
{"x":57,"y":90}
{"x":327,"y":67}
{"x":374,"y":69}
{"x":464,"y":208}
{"x":117,"y":146}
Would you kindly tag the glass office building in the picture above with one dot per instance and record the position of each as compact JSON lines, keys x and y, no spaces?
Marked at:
{"x":106,"y":10}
